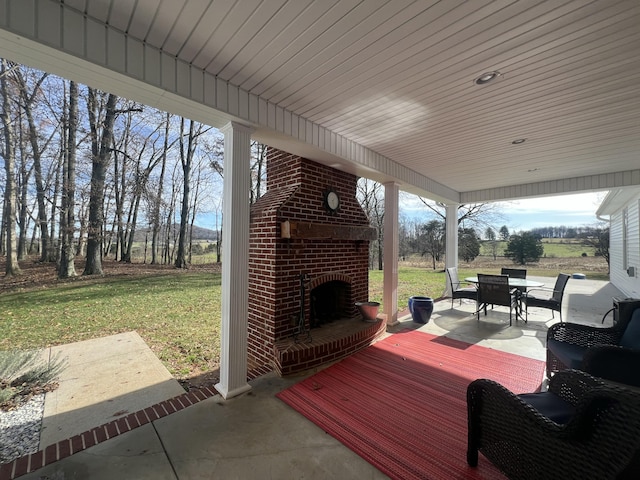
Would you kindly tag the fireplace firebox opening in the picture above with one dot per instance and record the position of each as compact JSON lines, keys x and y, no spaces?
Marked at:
{"x":330,"y":301}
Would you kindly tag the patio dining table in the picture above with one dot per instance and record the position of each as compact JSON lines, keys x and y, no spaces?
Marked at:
{"x":515,"y":283}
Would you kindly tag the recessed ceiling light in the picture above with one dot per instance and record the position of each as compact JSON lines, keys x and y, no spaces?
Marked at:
{"x":487,"y":77}
{"x":518,"y":141}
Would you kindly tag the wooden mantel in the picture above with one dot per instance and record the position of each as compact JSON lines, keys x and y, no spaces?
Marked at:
{"x":307,"y":230}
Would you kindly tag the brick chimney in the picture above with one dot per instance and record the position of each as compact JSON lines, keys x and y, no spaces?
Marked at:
{"x":299,"y":247}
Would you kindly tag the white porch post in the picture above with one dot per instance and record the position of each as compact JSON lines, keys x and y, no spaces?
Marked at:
{"x":235,"y":271}
{"x":390,"y":252}
{"x":451,"y":248}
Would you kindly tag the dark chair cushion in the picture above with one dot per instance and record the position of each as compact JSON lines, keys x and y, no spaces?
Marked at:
{"x":470,"y":293}
{"x":550,"y":405}
{"x":532,"y":301}
{"x":631,"y":336}
{"x":569,"y":354}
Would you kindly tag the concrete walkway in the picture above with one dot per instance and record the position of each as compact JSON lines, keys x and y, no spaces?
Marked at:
{"x":200,"y":436}
{"x":106,"y":378}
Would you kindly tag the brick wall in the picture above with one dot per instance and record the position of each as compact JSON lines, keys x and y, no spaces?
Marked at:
{"x":295,"y":188}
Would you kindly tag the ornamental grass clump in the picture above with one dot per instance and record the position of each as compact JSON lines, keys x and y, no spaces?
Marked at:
{"x":24,"y":374}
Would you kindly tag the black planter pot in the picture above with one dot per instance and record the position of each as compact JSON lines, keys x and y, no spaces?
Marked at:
{"x":421,"y":309}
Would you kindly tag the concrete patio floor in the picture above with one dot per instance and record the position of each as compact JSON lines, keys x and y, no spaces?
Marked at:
{"x":255,"y":435}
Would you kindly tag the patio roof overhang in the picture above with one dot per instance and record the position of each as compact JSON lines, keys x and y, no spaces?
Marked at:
{"x":384,"y":90}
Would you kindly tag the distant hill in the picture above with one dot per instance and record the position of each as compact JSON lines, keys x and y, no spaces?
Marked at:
{"x":199,"y":233}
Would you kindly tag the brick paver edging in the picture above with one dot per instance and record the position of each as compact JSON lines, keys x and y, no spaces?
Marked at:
{"x":66,"y":448}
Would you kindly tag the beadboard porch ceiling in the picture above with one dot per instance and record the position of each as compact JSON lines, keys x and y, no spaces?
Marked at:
{"x":396,"y":78}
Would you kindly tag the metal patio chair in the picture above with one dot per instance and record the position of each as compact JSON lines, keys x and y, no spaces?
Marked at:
{"x":495,"y":290}
{"x":458,"y":291}
{"x":553,"y":300}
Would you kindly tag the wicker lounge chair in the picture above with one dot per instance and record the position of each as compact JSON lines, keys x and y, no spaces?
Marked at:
{"x":567,"y":343}
{"x":581,"y":428}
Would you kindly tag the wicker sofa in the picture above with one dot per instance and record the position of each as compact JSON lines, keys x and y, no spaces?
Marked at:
{"x":581,"y":428}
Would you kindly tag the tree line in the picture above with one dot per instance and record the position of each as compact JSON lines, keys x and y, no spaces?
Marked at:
{"x":522,"y":247}
{"x":476,"y":226}
{"x":86,"y":171}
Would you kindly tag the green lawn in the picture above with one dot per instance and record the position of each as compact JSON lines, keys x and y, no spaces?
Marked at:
{"x":177,"y":315}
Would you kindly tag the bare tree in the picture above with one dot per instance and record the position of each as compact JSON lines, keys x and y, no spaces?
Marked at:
{"x":432,"y":240}
{"x":47,"y":250}
{"x":26,"y":170}
{"x":598,"y":238}
{"x":478,"y":216}
{"x":66,"y":267}
{"x":155,"y":217}
{"x":370,"y":194}
{"x":490,"y":234}
{"x":258,"y":159}
{"x":141,"y":179}
{"x":187,"y":154}
{"x":101,"y":140}
{"x":12,"y":267}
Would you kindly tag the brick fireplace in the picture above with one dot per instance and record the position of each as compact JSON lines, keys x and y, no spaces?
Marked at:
{"x":307,"y":261}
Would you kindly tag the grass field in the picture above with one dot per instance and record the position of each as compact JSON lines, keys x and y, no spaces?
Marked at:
{"x":178,"y":312}
{"x":553,"y":248}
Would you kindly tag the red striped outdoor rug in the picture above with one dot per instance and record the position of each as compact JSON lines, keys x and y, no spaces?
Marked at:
{"x":401,"y":404}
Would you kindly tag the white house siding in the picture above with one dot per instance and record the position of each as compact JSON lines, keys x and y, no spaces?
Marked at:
{"x":629,"y":285}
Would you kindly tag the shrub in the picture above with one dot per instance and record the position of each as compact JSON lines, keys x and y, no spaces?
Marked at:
{"x":21,"y":372}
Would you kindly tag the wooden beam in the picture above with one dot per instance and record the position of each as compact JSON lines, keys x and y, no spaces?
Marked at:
{"x":306,"y":230}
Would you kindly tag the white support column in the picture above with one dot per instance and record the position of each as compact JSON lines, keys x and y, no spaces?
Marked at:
{"x":235,"y":270}
{"x":390,"y":252}
{"x":451,"y":248}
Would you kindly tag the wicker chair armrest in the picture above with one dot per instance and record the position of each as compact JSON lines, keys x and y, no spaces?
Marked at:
{"x":491,"y":400}
{"x":585,"y":335}
{"x":613,"y":363}
{"x":613,"y":411}
{"x":572,"y":385}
